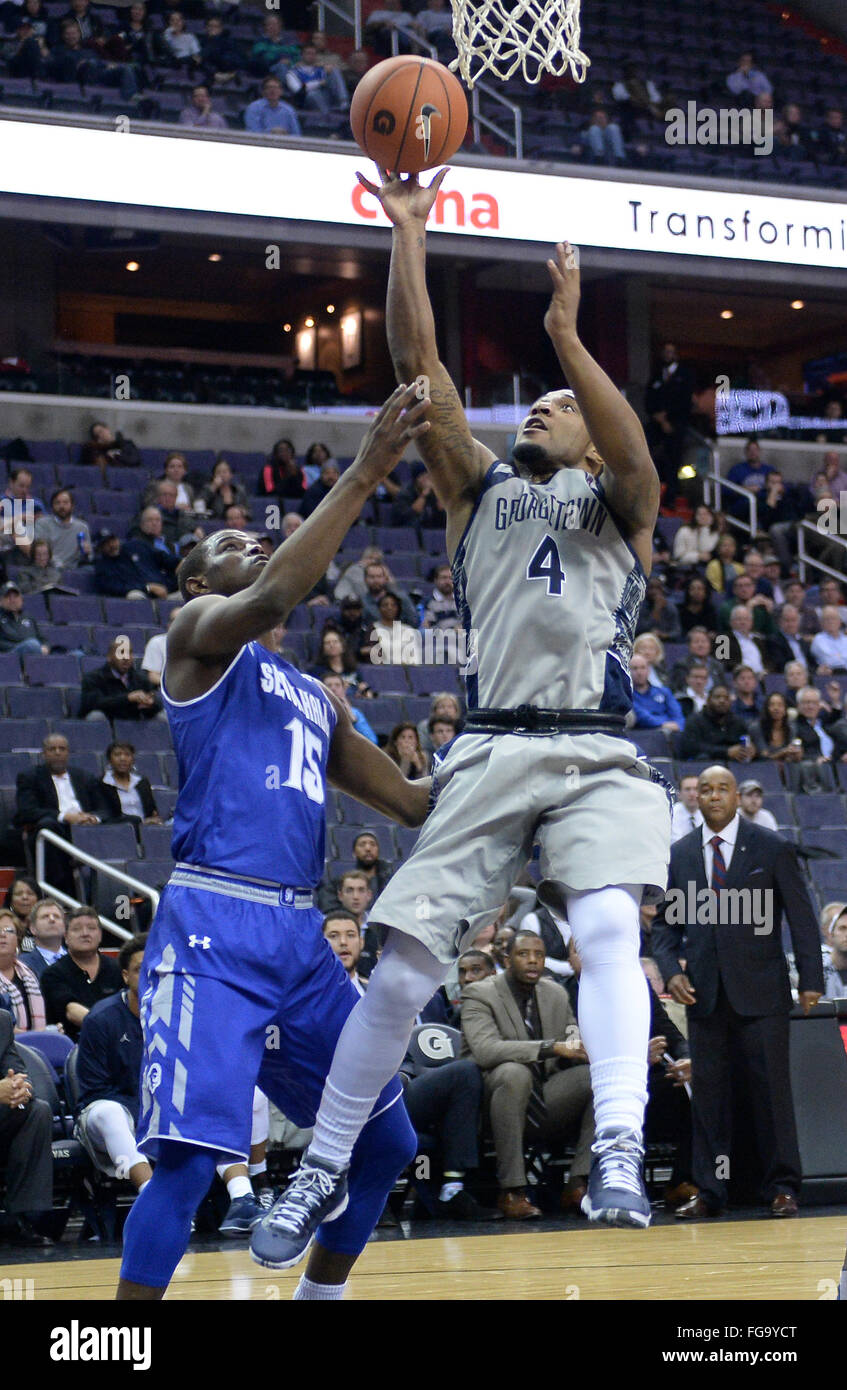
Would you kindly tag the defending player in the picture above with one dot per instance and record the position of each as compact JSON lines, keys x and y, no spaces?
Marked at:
{"x":238,"y":982}
{"x":549,"y":564}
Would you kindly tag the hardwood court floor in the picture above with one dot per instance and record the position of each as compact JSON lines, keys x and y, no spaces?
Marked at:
{"x":797,"y":1260}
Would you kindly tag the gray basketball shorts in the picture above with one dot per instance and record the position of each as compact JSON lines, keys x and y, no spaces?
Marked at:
{"x":599,"y":812}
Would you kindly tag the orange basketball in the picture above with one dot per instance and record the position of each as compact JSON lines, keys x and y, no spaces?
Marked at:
{"x":409,"y":114}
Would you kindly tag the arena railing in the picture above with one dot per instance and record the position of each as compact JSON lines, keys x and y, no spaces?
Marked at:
{"x":354,"y":19}
{"x":713,"y":487}
{"x":50,"y":890}
{"x":804,"y":558}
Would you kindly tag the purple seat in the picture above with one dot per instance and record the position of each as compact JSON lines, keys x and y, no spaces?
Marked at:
{"x":653,"y":741}
{"x":53,"y":1047}
{"x":113,"y":843}
{"x":384,"y":713}
{"x":24,"y":733}
{"x":26,"y":703}
{"x":70,"y":637}
{"x":52,"y":670}
{"x":85,"y":609}
{"x":832,"y":839}
{"x":88,"y":761}
{"x":830,"y":880}
{"x":388,"y":679}
{"x":775,"y":682}
{"x":35,"y":607}
{"x":406,"y":840}
{"x":300,"y":619}
{"x":11,"y":764}
{"x":130,"y":480}
{"x":165,"y":801}
{"x":154,"y":872}
{"x":352,"y":812}
{"x":820,"y":811}
{"x":147,"y":764}
{"x":391,"y":538}
{"x":78,"y":475}
{"x":405,"y":567}
{"x":156,"y":841}
{"x":123,"y":612}
{"x":10,"y":669}
{"x":104,"y":636}
{"x":433,"y":541}
{"x":426,"y":680}
{"x":149,"y":736}
{"x":81,"y":736}
{"x":48,"y":452}
{"x":169,"y":767}
{"x":82,"y":580}
{"x":416,"y":708}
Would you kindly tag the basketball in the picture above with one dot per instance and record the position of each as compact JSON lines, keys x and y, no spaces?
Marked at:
{"x":409,"y":114}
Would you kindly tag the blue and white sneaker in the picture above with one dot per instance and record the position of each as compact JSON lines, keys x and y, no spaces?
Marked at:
{"x":316,"y":1193}
{"x":244,"y":1213}
{"x":616,"y":1193}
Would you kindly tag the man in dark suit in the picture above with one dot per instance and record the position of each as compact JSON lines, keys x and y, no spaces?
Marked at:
{"x":522,"y":1034}
{"x":667,"y":403}
{"x":721,"y":955}
{"x":116,"y":690}
{"x":787,"y":644}
{"x":54,"y":796}
{"x":26,"y":1127}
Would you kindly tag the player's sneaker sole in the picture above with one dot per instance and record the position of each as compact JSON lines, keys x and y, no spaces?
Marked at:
{"x":615,"y":1216}
{"x":268,"y":1260}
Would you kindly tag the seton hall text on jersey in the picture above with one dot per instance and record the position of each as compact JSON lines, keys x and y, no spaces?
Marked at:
{"x":577,"y":513}
{"x":275,"y":682}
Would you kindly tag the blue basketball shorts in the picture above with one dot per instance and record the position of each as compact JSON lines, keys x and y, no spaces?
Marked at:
{"x":234,"y":994}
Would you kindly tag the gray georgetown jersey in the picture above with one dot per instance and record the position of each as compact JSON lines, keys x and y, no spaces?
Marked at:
{"x":548,"y":591}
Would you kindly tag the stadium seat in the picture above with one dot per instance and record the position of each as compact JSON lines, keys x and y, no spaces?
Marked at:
{"x":11,"y":764}
{"x":820,"y":811}
{"x":796,"y":778}
{"x":406,"y":838}
{"x":85,"y":609}
{"x":835,"y":840}
{"x":53,"y":1047}
{"x":352,"y":812}
{"x":52,"y":670}
{"x":147,"y":765}
{"x":156,"y":841}
{"x":426,"y":680}
{"x":653,"y":742}
{"x":108,"y":842}
{"x":388,"y":679}
{"x":126,"y":612}
{"x":24,"y":733}
{"x":149,"y":736}
{"x":154,"y":872}
{"x":27,"y":703}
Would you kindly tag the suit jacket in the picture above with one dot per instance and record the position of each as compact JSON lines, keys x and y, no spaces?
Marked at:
{"x":778,"y":653}
{"x":493,"y":1030}
{"x":37,"y":797}
{"x":9,"y":1055}
{"x":103,"y":690}
{"x":35,"y":961}
{"x":752,"y":967}
{"x":109,"y":803}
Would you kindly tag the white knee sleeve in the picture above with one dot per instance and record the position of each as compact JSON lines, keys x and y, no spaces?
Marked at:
{"x":261,"y":1118}
{"x":108,"y":1127}
{"x":614,"y":1003}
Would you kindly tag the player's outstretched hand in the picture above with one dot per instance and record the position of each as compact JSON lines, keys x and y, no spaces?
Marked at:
{"x":404,"y":200}
{"x":560,"y":319}
{"x":399,"y":422}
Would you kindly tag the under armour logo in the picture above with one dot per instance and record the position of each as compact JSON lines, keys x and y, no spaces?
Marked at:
{"x":125,"y":1037}
{"x":423,"y":125}
{"x":204,"y":941}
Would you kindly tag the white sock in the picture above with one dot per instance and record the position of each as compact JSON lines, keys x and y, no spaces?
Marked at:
{"x":373,"y":1043}
{"x":239,"y":1187}
{"x":307,"y":1290}
{"x":449,"y":1189}
{"x":254,"y":1169}
{"x":614,"y":1003}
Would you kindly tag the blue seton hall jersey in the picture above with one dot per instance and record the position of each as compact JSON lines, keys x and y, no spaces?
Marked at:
{"x":252,"y":755}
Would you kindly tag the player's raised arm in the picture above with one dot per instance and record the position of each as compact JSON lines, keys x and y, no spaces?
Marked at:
{"x":358,"y":767}
{"x":219,"y":623}
{"x":456,"y":461}
{"x":631,"y":480}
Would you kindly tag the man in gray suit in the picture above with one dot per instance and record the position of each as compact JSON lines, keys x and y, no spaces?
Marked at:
{"x":522,"y":1034}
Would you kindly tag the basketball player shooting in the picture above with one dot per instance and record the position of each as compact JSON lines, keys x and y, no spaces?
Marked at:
{"x":549,"y":556}
{"x":238,"y":983}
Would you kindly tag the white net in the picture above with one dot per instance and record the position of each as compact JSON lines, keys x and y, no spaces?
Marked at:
{"x":500,"y":36}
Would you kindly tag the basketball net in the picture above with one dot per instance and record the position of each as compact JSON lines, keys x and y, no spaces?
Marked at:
{"x":500,"y":36}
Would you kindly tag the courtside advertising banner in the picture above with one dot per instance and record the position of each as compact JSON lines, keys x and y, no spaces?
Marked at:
{"x":218,"y":176}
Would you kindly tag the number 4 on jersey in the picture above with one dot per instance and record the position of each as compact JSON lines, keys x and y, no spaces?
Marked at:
{"x":546,"y":564}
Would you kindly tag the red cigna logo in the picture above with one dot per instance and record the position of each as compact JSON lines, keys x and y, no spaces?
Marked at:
{"x":452,"y":209}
